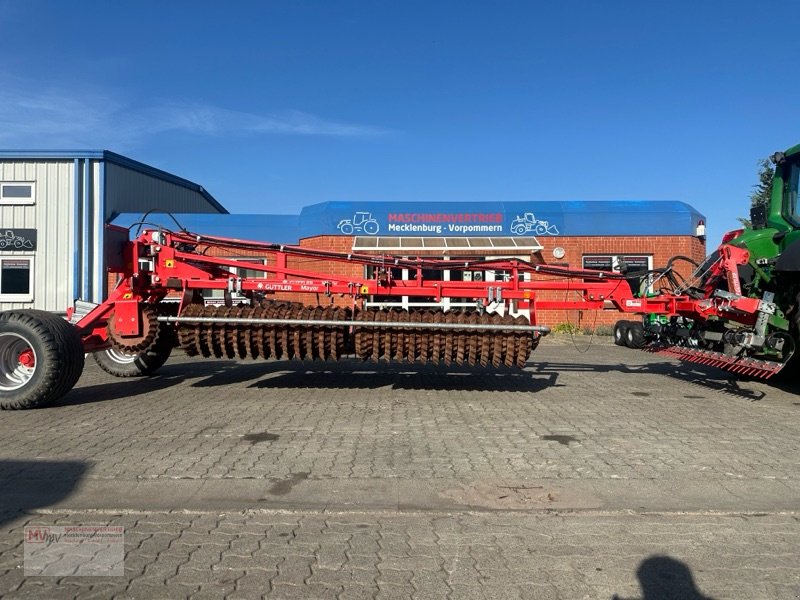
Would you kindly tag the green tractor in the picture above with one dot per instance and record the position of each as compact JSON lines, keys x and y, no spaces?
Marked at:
{"x":756,"y":272}
{"x":773,"y":239}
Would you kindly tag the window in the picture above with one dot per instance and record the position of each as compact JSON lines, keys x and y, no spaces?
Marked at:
{"x":218,"y":296}
{"x":442,"y":275}
{"x":250,"y":273}
{"x":16,"y":279}
{"x":792,"y":185}
{"x":16,"y":192}
{"x":637,"y":265}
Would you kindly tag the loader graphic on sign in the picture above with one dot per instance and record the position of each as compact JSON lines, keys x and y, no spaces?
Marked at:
{"x":362,"y":222}
{"x":9,"y":240}
{"x":528,"y":223}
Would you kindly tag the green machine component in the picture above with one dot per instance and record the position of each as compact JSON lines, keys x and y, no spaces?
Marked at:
{"x":773,"y":241}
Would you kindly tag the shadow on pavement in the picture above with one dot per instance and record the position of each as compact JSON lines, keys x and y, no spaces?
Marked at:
{"x":118,"y":387}
{"x":350,"y":374}
{"x":32,"y":484}
{"x":412,"y":380}
{"x":708,"y":378}
{"x":666,"y":578}
{"x":357,"y":374}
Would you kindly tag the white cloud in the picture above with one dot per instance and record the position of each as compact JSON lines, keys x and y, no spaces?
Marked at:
{"x":52,"y":117}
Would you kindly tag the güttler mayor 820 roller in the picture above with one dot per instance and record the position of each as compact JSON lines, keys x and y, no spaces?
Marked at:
{"x":158,"y":305}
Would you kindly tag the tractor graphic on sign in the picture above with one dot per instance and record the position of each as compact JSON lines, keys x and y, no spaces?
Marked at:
{"x":528,"y":223}
{"x":361,"y":222}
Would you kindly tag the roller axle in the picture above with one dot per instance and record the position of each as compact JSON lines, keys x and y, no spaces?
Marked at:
{"x":541,"y":329}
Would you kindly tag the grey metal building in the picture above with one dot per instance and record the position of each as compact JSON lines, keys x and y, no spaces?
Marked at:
{"x":54,"y":206}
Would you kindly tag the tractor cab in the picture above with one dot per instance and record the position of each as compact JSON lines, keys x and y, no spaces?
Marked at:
{"x":360,"y":217}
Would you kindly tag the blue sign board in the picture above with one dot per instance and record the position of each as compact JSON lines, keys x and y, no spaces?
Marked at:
{"x":451,"y":219}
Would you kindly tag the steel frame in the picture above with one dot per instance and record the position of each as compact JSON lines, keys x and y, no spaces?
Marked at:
{"x":159,"y":262}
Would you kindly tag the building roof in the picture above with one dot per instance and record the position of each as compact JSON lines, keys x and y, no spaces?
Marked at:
{"x":280,"y":229}
{"x":117,"y":159}
{"x":449,"y":219}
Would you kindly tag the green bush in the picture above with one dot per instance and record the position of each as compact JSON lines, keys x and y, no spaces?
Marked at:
{"x":569,"y":328}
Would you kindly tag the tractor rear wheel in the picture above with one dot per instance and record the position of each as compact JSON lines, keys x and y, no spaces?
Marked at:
{"x":621,"y":332}
{"x":41,"y":358}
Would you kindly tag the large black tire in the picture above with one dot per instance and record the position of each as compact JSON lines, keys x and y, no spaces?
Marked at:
{"x":634,"y":335}
{"x":620,"y":332}
{"x":57,"y":358}
{"x":790,"y":374}
{"x":123,"y":364}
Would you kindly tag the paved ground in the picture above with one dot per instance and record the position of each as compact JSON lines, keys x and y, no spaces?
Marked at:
{"x":597,"y":472}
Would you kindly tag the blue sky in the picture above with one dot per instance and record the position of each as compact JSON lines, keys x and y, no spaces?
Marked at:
{"x":276,"y":105}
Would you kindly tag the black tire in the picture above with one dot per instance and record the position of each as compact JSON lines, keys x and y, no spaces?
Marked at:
{"x":634,"y":335}
{"x":621,"y":332}
{"x":123,"y":364}
{"x":57,"y":351}
{"x":790,"y":373}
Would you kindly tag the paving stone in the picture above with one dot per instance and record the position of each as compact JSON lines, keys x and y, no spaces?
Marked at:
{"x":389,"y":591}
{"x":255,"y":582}
{"x":294,"y":571}
{"x":352,"y":591}
{"x":623,"y":416}
{"x":316,"y":591}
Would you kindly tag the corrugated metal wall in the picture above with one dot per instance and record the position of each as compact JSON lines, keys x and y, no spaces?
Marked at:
{"x":130,"y":191}
{"x":74,"y":199}
{"x":53,"y":216}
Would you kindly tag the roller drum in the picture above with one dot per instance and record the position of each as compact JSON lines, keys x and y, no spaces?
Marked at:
{"x":220,"y":337}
